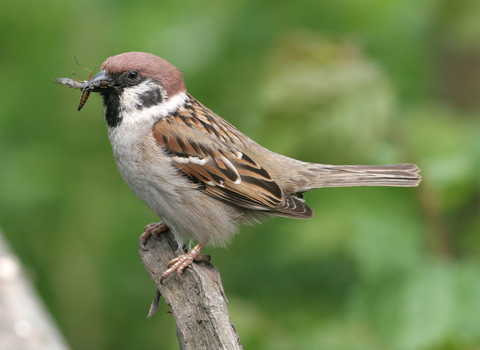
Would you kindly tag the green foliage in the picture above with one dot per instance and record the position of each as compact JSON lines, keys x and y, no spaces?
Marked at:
{"x":324,"y":81}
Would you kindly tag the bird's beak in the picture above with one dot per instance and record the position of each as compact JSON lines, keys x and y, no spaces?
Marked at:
{"x":99,"y":83}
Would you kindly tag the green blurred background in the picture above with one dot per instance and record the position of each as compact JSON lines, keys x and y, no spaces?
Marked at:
{"x":342,"y":82}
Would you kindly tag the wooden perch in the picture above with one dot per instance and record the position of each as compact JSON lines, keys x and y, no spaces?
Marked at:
{"x":196,"y":298}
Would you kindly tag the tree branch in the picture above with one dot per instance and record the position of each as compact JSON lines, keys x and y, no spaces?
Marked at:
{"x":196,"y":298}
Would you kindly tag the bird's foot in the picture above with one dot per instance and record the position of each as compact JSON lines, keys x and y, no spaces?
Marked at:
{"x":154,"y":230}
{"x":180,"y":263}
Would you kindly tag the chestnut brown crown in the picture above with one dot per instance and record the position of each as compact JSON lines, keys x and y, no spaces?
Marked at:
{"x":149,"y":66}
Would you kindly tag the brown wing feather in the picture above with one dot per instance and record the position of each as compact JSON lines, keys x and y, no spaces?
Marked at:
{"x":225,"y":173}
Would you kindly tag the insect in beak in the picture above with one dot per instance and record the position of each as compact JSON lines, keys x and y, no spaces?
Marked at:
{"x":78,"y":84}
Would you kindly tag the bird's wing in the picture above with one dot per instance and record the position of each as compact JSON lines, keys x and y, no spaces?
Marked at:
{"x":202,"y":146}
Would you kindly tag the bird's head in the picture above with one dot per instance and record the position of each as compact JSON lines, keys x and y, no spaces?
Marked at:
{"x":133,"y":81}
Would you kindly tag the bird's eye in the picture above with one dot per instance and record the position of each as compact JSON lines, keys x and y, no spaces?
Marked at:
{"x":132,"y":75}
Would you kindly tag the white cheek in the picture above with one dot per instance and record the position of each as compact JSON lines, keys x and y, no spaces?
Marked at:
{"x":130,"y":97}
{"x":131,"y":114}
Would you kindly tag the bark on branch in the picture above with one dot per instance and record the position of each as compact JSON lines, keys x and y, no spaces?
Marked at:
{"x":197,"y":299}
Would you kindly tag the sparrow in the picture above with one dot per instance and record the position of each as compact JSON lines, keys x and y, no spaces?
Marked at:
{"x":196,"y":171}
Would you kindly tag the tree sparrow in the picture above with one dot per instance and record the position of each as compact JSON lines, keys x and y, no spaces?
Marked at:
{"x":195,"y":170}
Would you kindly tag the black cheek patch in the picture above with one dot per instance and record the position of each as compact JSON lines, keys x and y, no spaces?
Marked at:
{"x":150,"y":98}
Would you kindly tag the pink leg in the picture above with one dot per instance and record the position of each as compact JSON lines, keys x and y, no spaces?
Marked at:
{"x":154,"y":230}
{"x":180,"y":263}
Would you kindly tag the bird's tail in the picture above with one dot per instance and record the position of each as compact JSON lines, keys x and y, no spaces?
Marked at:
{"x":399,"y":175}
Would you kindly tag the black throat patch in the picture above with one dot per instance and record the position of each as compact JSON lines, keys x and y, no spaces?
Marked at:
{"x":111,"y":102}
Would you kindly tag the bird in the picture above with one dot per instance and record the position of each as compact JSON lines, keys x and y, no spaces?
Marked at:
{"x":196,"y":171}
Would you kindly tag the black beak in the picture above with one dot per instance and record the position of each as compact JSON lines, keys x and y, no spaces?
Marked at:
{"x":99,"y":83}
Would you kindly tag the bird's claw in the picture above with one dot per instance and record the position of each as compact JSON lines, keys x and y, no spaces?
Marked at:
{"x":180,"y":263}
{"x":153,"y":229}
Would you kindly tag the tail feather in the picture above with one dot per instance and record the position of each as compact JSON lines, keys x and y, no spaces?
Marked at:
{"x":398,"y":175}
